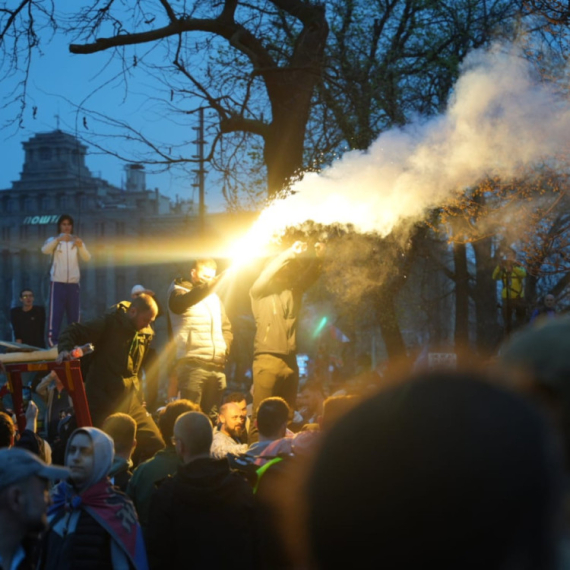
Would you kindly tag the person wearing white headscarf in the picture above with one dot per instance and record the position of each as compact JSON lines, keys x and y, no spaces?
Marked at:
{"x":92,"y":525}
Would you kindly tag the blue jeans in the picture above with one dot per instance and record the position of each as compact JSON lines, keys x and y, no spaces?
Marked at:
{"x":202,"y":385}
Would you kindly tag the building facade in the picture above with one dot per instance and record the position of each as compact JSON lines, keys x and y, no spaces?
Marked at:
{"x":115,"y":224}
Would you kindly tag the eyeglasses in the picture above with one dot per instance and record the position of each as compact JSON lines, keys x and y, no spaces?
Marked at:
{"x":27,"y":295}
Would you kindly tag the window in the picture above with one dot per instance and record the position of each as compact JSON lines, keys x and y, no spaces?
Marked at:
{"x":100,"y":229}
{"x":120,"y":228}
{"x":46,"y":203}
{"x":6,"y":233}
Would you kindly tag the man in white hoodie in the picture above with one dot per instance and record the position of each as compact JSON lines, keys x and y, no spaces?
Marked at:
{"x":66,"y":249}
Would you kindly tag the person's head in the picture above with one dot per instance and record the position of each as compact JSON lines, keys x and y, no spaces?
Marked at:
{"x":171,"y":412}
{"x":7,"y":430}
{"x":272,"y":417}
{"x":541,"y":358}
{"x":142,"y":311}
{"x":231,"y":420}
{"x":122,"y":429}
{"x":203,"y":271}
{"x":65,"y":224}
{"x":27,"y":298}
{"x":89,"y":456}
{"x":240,"y":399}
{"x":445,"y":470}
{"x":549,"y":301}
{"x":139,"y":290}
{"x":334,"y":408}
{"x":192,"y":436}
{"x":310,"y":399}
{"x":24,"y":496}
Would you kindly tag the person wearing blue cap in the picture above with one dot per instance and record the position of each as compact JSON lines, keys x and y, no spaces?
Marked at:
{"x":24,"y":501}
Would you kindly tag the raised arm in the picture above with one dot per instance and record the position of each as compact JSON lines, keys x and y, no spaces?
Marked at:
{"x":49,"y":246}
{"x":262,"y":284}
{"x":180,"y":300}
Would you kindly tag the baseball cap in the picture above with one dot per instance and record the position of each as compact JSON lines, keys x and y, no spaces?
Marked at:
{"x":17,"y":464}
{"x":138,"y":289}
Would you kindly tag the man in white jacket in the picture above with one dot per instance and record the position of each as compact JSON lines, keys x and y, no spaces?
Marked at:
{"x":66,"y":249}
{"x":201,"y":332}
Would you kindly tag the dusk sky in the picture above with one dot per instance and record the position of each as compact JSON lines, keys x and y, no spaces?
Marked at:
{"x":59,"y":82}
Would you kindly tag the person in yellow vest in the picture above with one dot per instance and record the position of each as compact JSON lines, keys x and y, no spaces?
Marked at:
{"x":512,"y":275}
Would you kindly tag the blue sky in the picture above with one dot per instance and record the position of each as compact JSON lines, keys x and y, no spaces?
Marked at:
{"x":59,"y":82}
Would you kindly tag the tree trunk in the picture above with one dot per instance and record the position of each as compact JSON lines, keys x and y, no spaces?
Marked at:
{"x":290,"y":90}
{"x":485,"y":297}
{"x":388,"y":322}
{"x":461,"y":296}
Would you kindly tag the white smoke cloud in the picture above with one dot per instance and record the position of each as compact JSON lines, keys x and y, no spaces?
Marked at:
{"x":499,"y":118}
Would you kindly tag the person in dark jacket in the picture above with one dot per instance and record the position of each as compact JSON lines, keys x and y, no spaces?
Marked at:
{"x":203,"y":516}
{"x":121,"y":338}
{"x":164,"y":463}
{"x":276,"y":299}
{"x":92,"y":525}
{"x":28,"y":321}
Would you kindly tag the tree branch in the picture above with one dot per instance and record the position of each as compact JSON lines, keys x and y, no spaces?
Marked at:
{"x":223,"y":26}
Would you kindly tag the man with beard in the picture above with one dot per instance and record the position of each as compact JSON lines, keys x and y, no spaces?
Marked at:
{"x":227,"y":439}
{"x":23,"y":505}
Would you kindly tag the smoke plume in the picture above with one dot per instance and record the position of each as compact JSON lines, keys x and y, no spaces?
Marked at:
{"x":500,"y":117}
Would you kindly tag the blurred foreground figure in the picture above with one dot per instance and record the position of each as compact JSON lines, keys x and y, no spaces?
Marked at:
{"x":23,"y":505}
{"x":92,"y":525}
{"x":541,"y":356}
{"x":445,"y":471}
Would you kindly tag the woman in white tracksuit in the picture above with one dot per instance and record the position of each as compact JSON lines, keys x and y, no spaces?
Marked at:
{"x":66,"y":249}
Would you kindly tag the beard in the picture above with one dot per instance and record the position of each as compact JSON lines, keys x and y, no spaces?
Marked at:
{"x":235,"y":432}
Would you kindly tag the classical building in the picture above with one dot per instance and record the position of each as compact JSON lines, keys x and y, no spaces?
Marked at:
{"x":117,"y":225}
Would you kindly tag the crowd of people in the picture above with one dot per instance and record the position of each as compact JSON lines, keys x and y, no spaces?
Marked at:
{"x":444,"y":468}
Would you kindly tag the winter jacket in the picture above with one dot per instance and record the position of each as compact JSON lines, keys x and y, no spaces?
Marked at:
{"x":513,"y":281}
{"x":145,"y":478}
{"x":119,"y":352}
{"x":202,"y":518}
{"x":65,"y":265}
{"x":201,"y":329}
{"x":276,"y":302}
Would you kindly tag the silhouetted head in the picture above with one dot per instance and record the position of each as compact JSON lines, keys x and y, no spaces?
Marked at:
{"x":444,"y":471}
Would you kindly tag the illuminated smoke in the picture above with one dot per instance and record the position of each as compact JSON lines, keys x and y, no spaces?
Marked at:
{"x":499,"y":118}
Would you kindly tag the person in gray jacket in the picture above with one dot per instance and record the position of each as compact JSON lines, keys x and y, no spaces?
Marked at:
{"x":276,"y":298}
{"x":201,"y":332}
